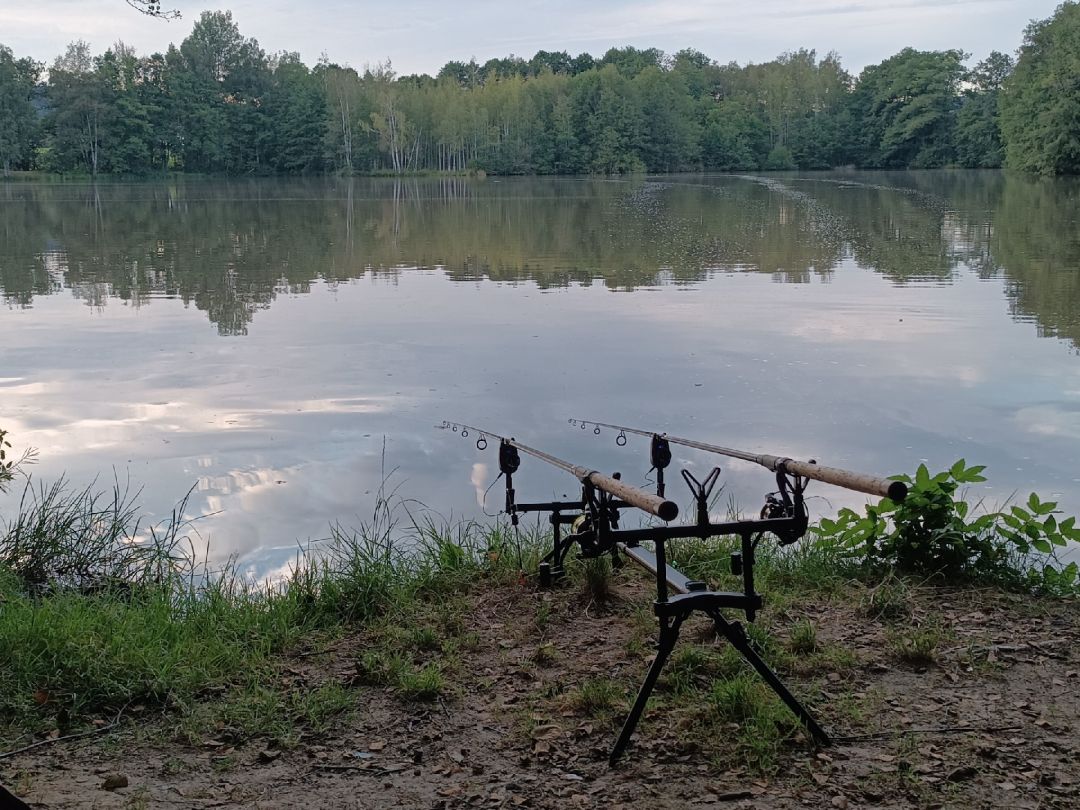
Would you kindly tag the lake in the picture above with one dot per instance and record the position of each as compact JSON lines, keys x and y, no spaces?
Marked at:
{"x":285,"y":346}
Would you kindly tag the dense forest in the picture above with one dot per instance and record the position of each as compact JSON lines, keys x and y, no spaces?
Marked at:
{"x":219,"y":104}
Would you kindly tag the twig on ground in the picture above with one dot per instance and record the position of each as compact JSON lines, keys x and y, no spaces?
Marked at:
{"x":91,"y":733}
{"x":884,"y":735}
{"x":357,"y":769}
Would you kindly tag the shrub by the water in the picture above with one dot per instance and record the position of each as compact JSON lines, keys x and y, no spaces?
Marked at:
{"x":935,"y":532}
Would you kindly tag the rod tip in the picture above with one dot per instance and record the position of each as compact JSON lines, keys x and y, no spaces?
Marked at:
{"x":897,"y":491}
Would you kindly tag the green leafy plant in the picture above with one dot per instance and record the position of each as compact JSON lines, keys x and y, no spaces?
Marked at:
{"x":933,"y":531}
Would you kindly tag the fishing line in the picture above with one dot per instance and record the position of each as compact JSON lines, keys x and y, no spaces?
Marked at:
{"x":483,"y":503}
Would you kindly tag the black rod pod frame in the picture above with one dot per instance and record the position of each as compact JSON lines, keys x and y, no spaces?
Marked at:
{"x":677,"y":597}
{"x":594,"y":521}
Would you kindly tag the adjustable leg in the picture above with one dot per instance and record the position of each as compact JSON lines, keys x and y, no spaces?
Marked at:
{"x":734,"y":632}
{"x":669,"y":634}
{"x":551,"y":565}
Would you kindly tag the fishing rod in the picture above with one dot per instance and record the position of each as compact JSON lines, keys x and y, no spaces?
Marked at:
{"x":870,"y":484}
{"x":629,"y":495}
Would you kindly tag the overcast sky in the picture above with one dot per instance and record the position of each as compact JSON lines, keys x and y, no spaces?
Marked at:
{"x":419,"y":36}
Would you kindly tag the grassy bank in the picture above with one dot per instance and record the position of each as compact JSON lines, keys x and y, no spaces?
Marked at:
{"x":99,"y":615}
{"x":102,"y":617}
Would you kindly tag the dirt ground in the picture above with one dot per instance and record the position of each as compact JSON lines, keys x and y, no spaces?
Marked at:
{"x":1001,"y":701}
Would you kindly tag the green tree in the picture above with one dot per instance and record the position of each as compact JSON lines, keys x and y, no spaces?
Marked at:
{"x":581,"y":63}
{"x":733,"y":138}
{"x":606,"y":121}
{"x":1040,"y":101}
{"x":978,"y":127}
{"x":555,"y":61}
{"x":631,"y":61}
{"x":18,"y":121}
{"x":218,"y":79}
{"x":128,"y":140}
{"x":350,"y":142}
{"x":905,"y":109}
{"x":779,"y":159}
{"x":668,"y":133}
{"x":467,"y":74}
{"x":81,"y":110}
{"x":294,"y":111}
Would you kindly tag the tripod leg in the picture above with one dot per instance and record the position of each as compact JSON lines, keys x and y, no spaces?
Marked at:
{"x":734,"y":632}
{"x":668,"y":636}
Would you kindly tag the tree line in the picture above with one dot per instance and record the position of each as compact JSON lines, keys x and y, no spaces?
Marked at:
{"x":219,"y":103}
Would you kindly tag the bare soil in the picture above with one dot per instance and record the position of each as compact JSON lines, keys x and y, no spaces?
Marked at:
{"x":991,"y":721}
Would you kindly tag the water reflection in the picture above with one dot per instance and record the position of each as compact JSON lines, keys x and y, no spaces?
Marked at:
{"x":377,"y":308}
{"x":230,"y":248}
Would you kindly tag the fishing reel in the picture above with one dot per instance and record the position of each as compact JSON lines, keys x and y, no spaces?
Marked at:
{"x":583,"y":532}
{"x":591,"y":530}
{"x":787,"y":503}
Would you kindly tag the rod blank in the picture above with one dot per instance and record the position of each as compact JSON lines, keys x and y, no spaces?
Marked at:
{"x":653,"y":504}
{"x":870,"y":484}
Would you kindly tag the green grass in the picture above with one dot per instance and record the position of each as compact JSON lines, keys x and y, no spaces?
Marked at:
{"x":545,"y":655}
{"x":596,"y":698}
{"x":888,"y":601}
{"x":804,"y":640}
{"x":596,"y":579}
{"x":694,"y":668}
{"x":917,"y":645}
{"x":99,"y":614}
{"x":424,"y":684}
{"x":745,"y":710}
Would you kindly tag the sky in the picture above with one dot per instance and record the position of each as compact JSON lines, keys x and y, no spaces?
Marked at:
{"x":419,"y":36}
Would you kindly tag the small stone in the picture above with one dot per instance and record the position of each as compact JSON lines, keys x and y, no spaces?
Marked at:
{"x":961,"y":774}
{"x":839,"y":802}
{"x":114,"y":781}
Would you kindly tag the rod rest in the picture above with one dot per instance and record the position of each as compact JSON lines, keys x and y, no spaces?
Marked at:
{"x":683,"y":603}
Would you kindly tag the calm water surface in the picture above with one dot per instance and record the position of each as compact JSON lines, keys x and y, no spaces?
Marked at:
{"x":284,"y":345}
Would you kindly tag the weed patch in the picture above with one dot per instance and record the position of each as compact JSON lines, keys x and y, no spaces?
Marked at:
{"x":917,"y":645}
{"x":596,"y":697}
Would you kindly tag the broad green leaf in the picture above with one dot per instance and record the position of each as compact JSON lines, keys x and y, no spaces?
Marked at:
{"x":1012,"y":520}
{"x":922,"y":477}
